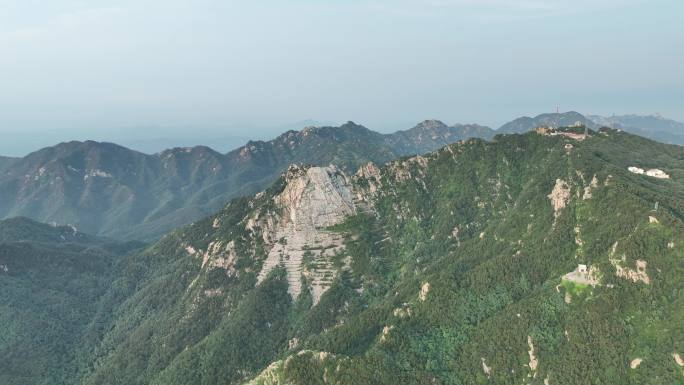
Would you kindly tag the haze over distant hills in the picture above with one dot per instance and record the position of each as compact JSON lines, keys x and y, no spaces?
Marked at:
{"x":114,"y":191}
{"x":650,"y":126}
{"x":565,"y":119}
{"x":150,"y":139}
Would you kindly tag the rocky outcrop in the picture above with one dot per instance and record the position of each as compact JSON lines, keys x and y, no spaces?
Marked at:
{"x":275,"y":373}
{"x":637,"y":275}
{"x":589,"y":189}
{"x":312,"y":200}
{"x":678,"y":359}
{"x":486,"y":369}
{"x":559,"y":196}
{"x":424,"y":290}
{"x":534,"y":362}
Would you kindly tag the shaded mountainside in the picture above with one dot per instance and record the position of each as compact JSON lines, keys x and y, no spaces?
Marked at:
{"x":433,"y":134}
{"x":5,"y":162}
{"x":655,"y":127}
{"x":51,"y":279}
{"x":113,"y":191}
{"x":555,"y":120}
{"x":535,"y":258}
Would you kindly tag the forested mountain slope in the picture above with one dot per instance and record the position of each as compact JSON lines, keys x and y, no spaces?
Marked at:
{"x":535,"y":258}
{"x":51,"y":280}
{"x":113,"y":191}
{"x":5,"y":162}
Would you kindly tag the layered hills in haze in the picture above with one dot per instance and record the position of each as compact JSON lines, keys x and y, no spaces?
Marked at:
{"x":539,"y":258}
{"x":650,"y":126}
{"x":565,"y":119}
{"x":113,"y":191}
{"x":110,"y":190}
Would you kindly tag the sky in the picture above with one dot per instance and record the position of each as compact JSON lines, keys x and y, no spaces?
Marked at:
{"x":157,"y":73}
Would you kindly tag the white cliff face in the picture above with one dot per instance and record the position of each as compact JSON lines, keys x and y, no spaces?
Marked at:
{"x":559,"y":196}
{"x":313,"y":200}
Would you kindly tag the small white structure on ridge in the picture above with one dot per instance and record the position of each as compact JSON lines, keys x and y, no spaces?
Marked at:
{"x":653,"y":172}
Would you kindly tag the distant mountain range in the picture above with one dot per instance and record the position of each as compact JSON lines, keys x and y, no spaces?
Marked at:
{"x":650,"y":126}
{"x":113,"y":191}
{"x":525,"y":123}
{"x":110,"y":190}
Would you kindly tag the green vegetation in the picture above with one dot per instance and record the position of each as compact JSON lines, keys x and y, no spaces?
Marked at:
{"x":112,"y":191}
{"x":50,"y":289}
{"x":452,"y":275}
{"x":575,"y":289}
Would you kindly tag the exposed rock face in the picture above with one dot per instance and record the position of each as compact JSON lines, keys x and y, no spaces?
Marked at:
{"x":559,"y":196}
{"x":486,"y":369}
{"x":273,"y":374}
{"x":224,"y":259}
{"x":402,"y":169}
{"x":385,"y":332}
{"x":371,"y":173}
{"x":678,"y":359}
{"x":313,"y":199}
{"x":424,"y":290}
{"x":637,"y":275}
{"x":588,"y":190}
{"x":534,"y":362}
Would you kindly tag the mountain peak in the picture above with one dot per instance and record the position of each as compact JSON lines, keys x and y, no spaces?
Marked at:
{"x":552,"y":119}
{"x":431,"y":124}
{"x":653,"y":126}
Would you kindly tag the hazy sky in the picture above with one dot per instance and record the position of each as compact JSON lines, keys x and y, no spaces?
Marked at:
{"x":204,"y":69}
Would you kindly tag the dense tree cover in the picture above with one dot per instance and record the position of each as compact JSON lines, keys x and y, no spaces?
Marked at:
{"x":51,"y":279}
{"x":455,"y":277}
{"x":489,"y":294}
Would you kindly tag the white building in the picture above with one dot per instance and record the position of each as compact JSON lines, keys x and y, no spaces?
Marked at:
{"x":656,"y":173}
{"x":653,"y":172}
